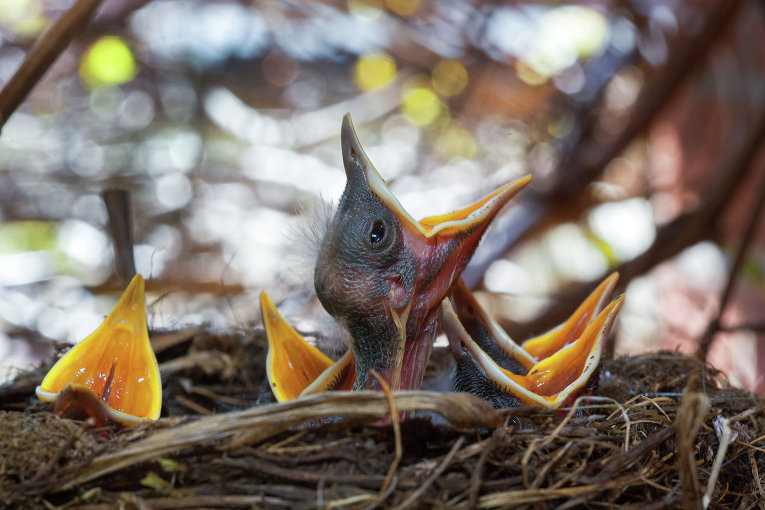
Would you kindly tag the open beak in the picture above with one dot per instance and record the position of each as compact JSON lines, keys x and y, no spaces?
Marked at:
{"x":465,"y":221}
{"x":294,"y":366}
{"x":111,"y":375}
{"x":395,"y":294}
{"x":552,"y":380}
{"x":543,"y":346}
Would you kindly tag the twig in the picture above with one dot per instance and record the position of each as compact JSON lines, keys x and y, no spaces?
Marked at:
{"x":352,"y":500}
{"x":756,"y":473}
{"x":757,"y":327}
{"x":42,"y":55}
{"x":746,"y":414}
{"x":589,"y":158}
{"x":460,"y":409}
{"x":685,"y":230}
{"x":477,"y":476}
{"x":432,"y":478}
{"x":396,"y":433}
{"x":121,"y":226}
{"x":588,"y":161}
{"x":215,"y":501}
{"x":714,"y":326}
{"x":525,"y":460}
{"x":725,"y":439}
{"x":624,"y":461}
{"x":552,"y":462}
{"x":593,"y":398}
{"x":510,"y":498}
{"x":192,"y":406}
{"x":690,"y":417}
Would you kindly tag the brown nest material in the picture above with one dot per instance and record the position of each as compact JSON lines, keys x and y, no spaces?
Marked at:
{"x":665,"y":432}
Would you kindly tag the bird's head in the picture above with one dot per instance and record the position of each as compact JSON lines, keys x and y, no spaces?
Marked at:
{"x":382,"y":274}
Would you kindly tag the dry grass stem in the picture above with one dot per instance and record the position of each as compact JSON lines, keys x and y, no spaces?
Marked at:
{"x":337,"y":450}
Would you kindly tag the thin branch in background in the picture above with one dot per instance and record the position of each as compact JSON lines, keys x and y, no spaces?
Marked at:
{"x":121,"y":226}
{"x":590,"y":158}
{"x":672,"y":238}
{"x":587,"y":159}
{"x":757,"y":327}
{"x":714,"y":326}
{"x":42,"y":55}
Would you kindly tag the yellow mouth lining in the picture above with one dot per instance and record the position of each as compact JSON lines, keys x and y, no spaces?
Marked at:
{"x":474,"y":213}
{"x":292,"y":364}
{"x":551,"y":381}
{"x":115,"y":362}
{"x":543,"y":346}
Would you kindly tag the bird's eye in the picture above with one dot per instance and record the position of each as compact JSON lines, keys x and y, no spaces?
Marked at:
{"x":377,"y":233}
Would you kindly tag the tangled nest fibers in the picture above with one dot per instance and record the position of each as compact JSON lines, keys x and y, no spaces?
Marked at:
{"x":666,"y":431}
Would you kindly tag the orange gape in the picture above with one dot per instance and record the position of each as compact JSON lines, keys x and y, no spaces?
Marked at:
{"x":559,"y":363}
{"x":292,"y":363}
{"x":554,"y":375}
{"x":115,"y":363}
{"x":293,"y":366}
{"x":546,"y":345}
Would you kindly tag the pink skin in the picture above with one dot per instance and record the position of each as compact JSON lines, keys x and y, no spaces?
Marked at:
{"x":388,"y":295}
{"x":441,"y":260}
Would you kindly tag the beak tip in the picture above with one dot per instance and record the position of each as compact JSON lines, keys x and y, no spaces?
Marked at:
{"x":134,"y":296}
{"x":348,"y":135}
{"x":619,"y":302}
{"x":137,"y":284}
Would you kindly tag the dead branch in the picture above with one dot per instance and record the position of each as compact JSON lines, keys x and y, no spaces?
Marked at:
{"x":462,"y":410}
{"x":588,"y":158}
{"x":685,"y":230}
{"x":714,"y":326}
{"x":43,"y":54}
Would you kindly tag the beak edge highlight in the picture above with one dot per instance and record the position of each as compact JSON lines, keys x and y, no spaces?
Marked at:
{"x":118,"y":352}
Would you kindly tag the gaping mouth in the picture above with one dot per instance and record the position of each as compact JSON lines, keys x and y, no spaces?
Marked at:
{"x":115,"y":366}
{"x":462,"y":220}
{"x":571,"y":351}
{"x":293,"y":366}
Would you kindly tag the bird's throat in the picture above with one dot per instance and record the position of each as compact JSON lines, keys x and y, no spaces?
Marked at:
{"x":404,"y":370}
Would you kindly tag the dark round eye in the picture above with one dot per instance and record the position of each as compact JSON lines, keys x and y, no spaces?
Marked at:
{"x":377,"y":233}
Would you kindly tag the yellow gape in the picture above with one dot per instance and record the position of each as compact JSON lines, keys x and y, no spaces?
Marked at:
{"x":112,"y":375}
{"x":557,"y":364}
{"x":294,"y":366}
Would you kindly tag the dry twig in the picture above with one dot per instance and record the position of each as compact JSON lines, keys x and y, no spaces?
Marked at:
{"x":43,"y":54}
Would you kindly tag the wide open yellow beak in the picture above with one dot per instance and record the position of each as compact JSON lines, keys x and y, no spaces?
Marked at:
{"x":294,"y":366}
{"x":112,"y":374}
{"x":542,"y":346}
{"x":558,"y":376}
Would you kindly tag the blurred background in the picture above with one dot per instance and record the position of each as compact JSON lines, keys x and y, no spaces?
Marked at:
{"x":640,"y":122}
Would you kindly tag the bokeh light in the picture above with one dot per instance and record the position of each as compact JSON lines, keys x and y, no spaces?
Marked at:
{"x":403,"y":7}
{"x":421,"y":106}
{"x":374,"y":71}
{"x":25,"y":17}
{"x":108,"y":61}
{"x":449,"y":78}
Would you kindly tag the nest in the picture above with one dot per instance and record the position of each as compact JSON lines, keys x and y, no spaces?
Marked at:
{"x":665,"y":431}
